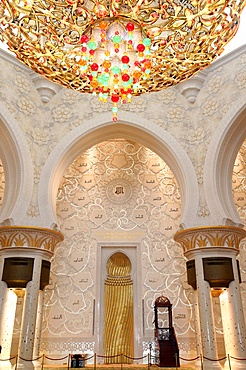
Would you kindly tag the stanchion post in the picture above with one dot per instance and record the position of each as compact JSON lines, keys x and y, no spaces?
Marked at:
{"x":16,"y":361}
{"x":148,"y":361}
{"x":121,"y":361}
{"x":150,"y":354}
{"x":68,"y":361}
{"x":42,"y":362}
{"x":229,"y":361}
{"x":95,"y":361}
{"x":201,"y":362}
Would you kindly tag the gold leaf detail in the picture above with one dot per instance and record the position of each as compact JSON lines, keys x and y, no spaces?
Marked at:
{"x":19,"y":241}
{"x":202,"y":242}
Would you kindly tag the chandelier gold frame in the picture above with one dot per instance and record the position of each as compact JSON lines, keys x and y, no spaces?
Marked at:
{"x":51,"y":36}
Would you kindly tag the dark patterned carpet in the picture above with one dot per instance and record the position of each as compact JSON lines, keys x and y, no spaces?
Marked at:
{"x":118,"y":367}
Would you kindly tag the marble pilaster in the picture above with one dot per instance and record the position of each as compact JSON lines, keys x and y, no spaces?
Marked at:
{"x":217,"y":242}
{"x":37,"y":244}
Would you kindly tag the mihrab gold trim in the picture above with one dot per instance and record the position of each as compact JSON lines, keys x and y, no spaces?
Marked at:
{"x":29,"y":237}
{"x":118,"y":310}
{"x":210,"y":236}
{"x":20,"y":292}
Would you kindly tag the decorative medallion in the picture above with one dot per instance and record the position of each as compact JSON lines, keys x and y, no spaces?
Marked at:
{"x":119,"y":191}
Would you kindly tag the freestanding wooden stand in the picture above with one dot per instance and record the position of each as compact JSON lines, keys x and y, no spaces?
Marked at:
{"x":168,"y":345}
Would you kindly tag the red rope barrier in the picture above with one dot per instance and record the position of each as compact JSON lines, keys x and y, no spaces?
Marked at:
{"x":108,"y":356}
{"x":8,"y":359}
{"x":135,"y":358}
{"x":56,"y":359}
{"x":114,"y":356}
{"x":33,"y":359}
{"x":190,"y":359}
{"x":238,"y":358}
{"x":88,"y":358}
{"x":219,"y":359}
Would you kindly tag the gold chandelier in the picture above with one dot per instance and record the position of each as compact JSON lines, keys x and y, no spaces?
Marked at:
{"x":119,"y":48}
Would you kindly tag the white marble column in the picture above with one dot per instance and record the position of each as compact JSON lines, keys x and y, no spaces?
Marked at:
{"x":207,"y":327}
{"x":3,"y":287}
{"x":37,"y":243}
{"x":226,"y":325}
{"x":7,"y":315}
{"x":6,"y":327}
{"x":234,"y":323}
{"x":213,"y":242}
{"x":27,"y":334}
{"x":36,"y":349}
{"x":3,"y":303}
{"x":198,"y":364}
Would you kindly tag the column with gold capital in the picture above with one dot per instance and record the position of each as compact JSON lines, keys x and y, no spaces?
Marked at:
{"x":212,"y":269}
{"x":234,"y":323}
{"x":7,"y":314}
{"x":26,"y":252}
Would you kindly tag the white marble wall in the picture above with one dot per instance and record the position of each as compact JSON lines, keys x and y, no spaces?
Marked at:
{"x":46,"y":137}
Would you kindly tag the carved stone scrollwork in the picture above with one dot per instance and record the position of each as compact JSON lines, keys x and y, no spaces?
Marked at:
{"x":29,"y":237}
{"x":210,"y":236}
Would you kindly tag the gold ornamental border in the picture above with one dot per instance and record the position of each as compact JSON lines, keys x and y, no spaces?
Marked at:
{"x":210,"y":236}
{"x":29,"y":237}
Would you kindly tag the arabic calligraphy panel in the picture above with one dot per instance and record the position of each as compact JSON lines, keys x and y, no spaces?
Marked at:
{"x":76,"y":302}
{"x":173,"y":210}
{"x":167,"y":227}
{"x":181,"y":318}
{"x":119,"y":191}
{"x":156,"y":165}
{"x":69,"y":228}
{"x":240,"y":198}
{"x":157,"y":198}
{"x":57,"y":317}
{"x":82,"y":164}
{"x":78,"y":260}
{"x":83,"y":280}
{"x":98,"y":216}
{"x":119,"y":160}
{"x":65,"y":210}
{"x":88,"y":181}
{"x":150,"y":181}
{"x":139,"y":216}
{"x":160,"y":261}
{"x":124,"y":193}
{"x":154,"y":281}
{"x":81,"y":198}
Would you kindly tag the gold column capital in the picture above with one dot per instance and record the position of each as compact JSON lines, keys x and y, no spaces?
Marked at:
{"x":210,"y":236}
{"x":29,"y":237}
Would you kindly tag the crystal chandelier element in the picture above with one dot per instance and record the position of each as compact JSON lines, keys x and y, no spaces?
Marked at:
{"x":116,"y":49}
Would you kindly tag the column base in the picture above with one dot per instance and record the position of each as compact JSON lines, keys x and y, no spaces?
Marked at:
{"x":197,"y":364}
{"x":211,"y":365}
{"x":37,"y":365}
{"x":27,"y":365}
{"x":5,"y":365}
{"x":235,"y":364}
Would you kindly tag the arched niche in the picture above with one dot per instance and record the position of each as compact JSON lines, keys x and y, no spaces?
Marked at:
{"x":150,"y":135}
{"x":220,"y":159}
{"x":18,"y":171}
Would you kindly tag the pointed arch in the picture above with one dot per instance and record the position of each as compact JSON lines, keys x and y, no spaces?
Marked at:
{"x":129,"y":127}
{"x":220,"y":159}
{"x":18,"y":170}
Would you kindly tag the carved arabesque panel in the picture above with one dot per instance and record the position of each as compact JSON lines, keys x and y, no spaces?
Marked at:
{"x":2,"y":183}
{"x":115,"y":192}
{"x":239,"y":193}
